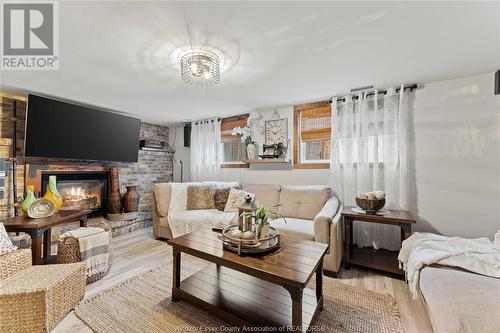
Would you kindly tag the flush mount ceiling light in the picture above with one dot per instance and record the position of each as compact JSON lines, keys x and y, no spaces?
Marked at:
{"x":200,"y":68}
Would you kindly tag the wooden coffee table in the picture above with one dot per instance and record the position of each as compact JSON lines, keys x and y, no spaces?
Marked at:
{"x":265,"y":291}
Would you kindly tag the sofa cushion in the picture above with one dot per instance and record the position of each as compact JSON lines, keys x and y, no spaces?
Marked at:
{"x":459,"y":301}
{"x":162,"y":193}
{"x":296,"y":228}
{"x":220,"y":198}
{"x":303,"y":202}
{"x":220,"y":185}
{"x":204,"y":217}
{"x":266,"y":195}
{"x":236,"y":199}
{"x":200,"y":197}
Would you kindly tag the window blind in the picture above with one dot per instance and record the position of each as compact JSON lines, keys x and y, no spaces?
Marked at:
{"x":315,"y":123}
{"x":227,"y":126}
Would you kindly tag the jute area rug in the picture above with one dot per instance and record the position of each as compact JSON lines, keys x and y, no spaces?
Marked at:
{"x":142,"y":304}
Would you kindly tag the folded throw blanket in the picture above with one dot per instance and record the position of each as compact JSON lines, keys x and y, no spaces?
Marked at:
{"x":182,"y":221}
{"x":94,"y":248}
{"x":423,"y":249}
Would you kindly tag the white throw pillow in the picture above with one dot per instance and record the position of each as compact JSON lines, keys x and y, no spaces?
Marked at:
{"x":236,"y":199}
{"x":5,"y":242}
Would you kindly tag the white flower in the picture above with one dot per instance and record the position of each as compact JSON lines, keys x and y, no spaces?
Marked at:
{"x":236,"y":131}
{"x":244,"y":132}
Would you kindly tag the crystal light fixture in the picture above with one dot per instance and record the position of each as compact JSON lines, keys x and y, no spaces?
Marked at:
{"x":200,"y":68}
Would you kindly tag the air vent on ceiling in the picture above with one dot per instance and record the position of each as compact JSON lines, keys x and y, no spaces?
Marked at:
{"x":362,"y":88}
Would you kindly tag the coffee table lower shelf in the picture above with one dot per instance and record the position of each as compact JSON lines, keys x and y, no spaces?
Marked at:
{"x":244,"y":300}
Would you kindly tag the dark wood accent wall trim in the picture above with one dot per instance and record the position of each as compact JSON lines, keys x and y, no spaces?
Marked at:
{"x":301,"y":107}
{"x":238,"y":117}
{"x":311,"y":165}
{"x":234,"y":165}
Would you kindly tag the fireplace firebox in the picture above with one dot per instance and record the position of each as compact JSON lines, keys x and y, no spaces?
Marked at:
{"x":82,"y":190}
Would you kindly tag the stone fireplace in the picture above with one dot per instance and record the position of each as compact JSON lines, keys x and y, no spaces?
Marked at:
{"x":83,"y":190}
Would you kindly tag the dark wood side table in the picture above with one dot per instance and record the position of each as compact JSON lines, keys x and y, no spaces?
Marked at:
{"x":381,"y":259}
{"x":38,"y":228}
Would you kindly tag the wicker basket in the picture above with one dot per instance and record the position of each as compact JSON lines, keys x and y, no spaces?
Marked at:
{"x":38,"y":297}
{"x":68,"y":251}
{"x":370,"y":206}
{"x":14,"y":262}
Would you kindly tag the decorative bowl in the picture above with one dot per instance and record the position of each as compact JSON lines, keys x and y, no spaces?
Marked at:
{"x":370,"y":206}
{"x":41,"y":208}
{"x":249,"y":246}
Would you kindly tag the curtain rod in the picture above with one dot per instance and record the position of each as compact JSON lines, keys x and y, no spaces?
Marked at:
{"x":206,"y":121}
{"x":413,"y":86}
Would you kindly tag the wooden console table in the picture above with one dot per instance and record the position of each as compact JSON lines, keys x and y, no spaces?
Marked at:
{"x":38,"y":228}
{"x":383,"y":260}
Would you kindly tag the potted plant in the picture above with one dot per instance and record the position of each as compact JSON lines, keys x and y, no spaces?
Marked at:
{"x":262,"y":216}
{"x":246,"y":138}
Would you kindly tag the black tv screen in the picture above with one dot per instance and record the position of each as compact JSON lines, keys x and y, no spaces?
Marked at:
{"x":57,"y":129}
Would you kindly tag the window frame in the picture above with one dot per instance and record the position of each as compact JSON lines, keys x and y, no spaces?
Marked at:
{"x":297,"y":162}
{"x":233,"y":164}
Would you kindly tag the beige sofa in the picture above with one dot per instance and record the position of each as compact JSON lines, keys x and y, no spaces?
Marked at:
{"x":460,"y":302}
{"x":311,"y":212}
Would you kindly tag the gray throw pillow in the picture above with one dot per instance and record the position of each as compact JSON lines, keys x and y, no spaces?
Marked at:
{"x":220,"y":198}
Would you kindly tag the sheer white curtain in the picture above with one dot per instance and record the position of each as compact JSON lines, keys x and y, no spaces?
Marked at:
{"x":370,"y":151}
{"x":206,"y":150}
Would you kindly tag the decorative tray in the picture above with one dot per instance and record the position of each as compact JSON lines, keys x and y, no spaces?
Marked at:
{"x":249,"y":246}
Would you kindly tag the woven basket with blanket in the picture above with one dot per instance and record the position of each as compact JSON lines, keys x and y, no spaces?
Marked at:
{"x":92,"y":246}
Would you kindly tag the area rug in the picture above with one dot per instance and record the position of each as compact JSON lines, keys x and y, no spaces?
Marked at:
{"x":142,"y":304}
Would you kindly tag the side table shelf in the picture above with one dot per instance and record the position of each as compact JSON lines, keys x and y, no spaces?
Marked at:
{"x":383,"y":260}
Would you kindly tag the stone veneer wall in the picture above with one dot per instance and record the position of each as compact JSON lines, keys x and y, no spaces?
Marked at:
{"x":152,"y":166}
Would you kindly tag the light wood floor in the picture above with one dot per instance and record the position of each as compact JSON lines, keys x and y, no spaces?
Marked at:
{"x":138,"y":252}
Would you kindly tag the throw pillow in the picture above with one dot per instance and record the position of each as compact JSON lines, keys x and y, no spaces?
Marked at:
{"x":5,"y":242}
{"x":200,"y":197}
{"x":220,"y":197}
{"x":236,"y":199}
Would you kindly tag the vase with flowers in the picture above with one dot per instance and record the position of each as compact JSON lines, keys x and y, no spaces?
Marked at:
{"x":246,"y":138}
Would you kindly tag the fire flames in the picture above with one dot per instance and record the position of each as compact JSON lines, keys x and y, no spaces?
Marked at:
{"x":78,"y":197}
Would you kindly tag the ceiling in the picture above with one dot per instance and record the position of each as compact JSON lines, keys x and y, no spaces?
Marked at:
{"x":117,"y":55}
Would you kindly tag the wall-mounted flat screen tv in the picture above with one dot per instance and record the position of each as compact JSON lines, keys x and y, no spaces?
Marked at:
{"x":57,"y":129}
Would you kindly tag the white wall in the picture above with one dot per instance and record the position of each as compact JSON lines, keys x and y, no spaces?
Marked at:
{"x":176,"y":140}
{"x":457,"y":158}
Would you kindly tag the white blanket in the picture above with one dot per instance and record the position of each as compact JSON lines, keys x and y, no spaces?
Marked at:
{"x":182,"y":221}
{"x":94,"y":246}
{"x":423,"y":249}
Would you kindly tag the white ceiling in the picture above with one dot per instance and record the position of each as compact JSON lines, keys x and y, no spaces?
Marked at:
{"x":117,"y":54}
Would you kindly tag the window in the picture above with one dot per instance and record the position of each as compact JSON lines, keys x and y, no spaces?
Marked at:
{"x":312,"y":129}
{"x":233,"y":150}
{"x":368,"y":135}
